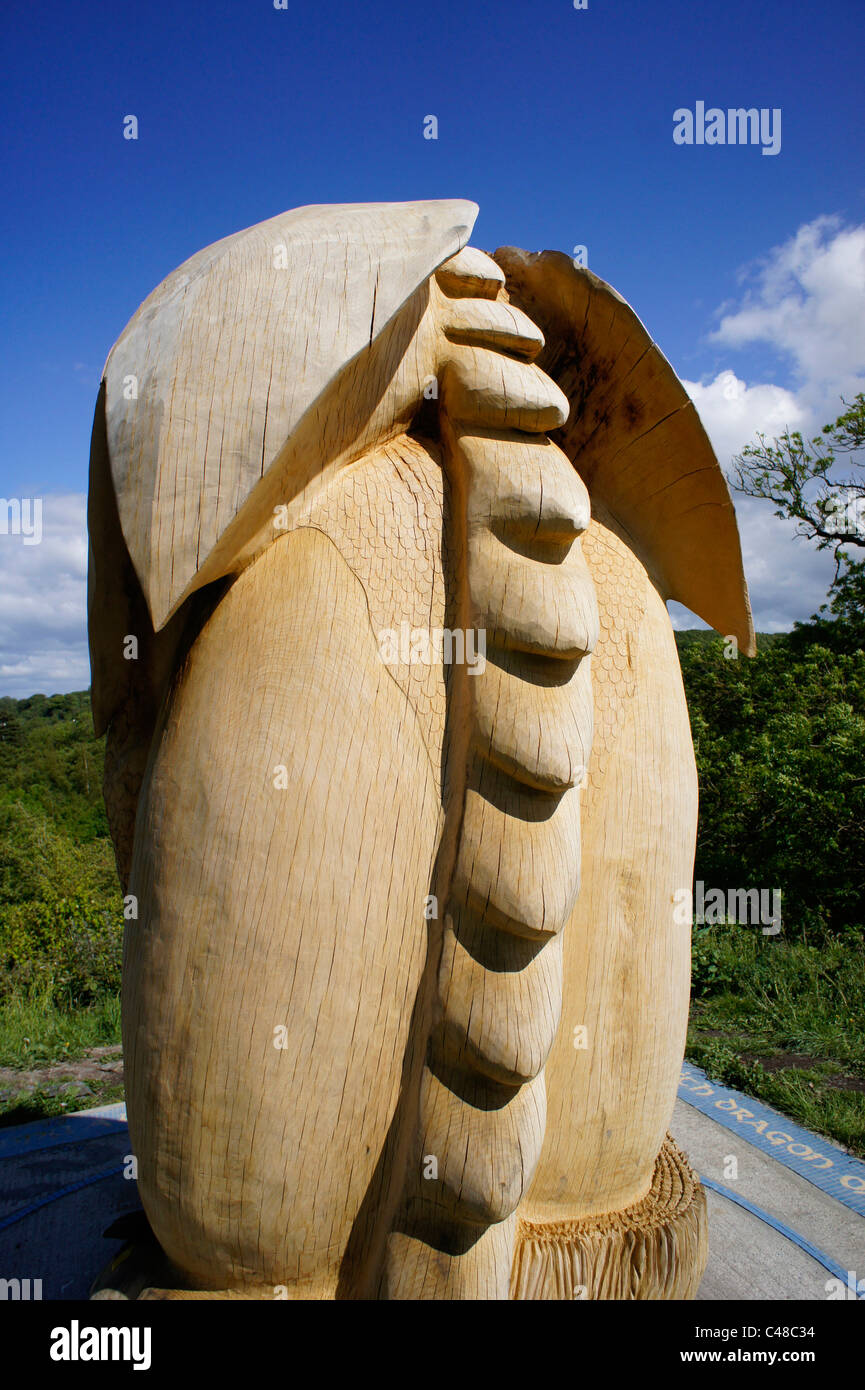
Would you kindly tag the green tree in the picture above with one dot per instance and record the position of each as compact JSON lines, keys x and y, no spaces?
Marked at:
{"x":780,"y":748}
{"x":840,"y":623}
{"x":799,"y":478}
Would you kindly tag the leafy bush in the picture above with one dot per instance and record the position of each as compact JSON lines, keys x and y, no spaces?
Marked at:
{"x":69,"y":948}
{"x":60,"y":908}
{"x":780,"y":747}
{"x":712,"y":970}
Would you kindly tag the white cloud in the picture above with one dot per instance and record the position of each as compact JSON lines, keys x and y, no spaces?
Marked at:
{"x":808,"y":303}
{"x":734,"y":412}
{"x":43,"y":603}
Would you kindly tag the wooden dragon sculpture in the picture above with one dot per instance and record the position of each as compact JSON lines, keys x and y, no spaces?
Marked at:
{"x":390,"y":1030}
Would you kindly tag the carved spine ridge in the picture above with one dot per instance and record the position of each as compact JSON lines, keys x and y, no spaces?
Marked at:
{"x":516,"y":871}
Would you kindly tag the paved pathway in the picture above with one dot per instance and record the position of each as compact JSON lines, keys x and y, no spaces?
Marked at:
{"x":800,"y":1180}
{"x":62,"y":1184}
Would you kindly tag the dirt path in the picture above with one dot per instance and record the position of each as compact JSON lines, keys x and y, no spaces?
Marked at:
{"x":90,"y":1078}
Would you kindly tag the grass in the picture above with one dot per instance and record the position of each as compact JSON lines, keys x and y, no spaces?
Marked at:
{"x":785,"y":1022}
{"x":35,"y":1032}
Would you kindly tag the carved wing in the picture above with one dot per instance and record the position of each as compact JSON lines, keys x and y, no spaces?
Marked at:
{"x":635,"y":437}
{"x":210,"y":384}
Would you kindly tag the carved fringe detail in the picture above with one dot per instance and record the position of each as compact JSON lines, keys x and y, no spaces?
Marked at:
{"x":655,"y":1249}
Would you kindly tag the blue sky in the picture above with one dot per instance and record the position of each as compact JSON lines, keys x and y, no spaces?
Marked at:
{"x":746,"y":268}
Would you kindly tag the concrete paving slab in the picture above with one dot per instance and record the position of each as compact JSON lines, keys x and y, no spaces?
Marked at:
{"x":747,"y":1258}
{"x":750,"y":1261}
